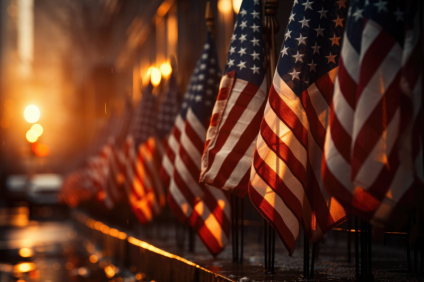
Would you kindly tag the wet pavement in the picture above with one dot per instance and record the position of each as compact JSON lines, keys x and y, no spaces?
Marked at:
{"x":50,"y":250}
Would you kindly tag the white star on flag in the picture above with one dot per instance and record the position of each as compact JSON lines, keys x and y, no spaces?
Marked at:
{"x":338,"y":21}
{"x":323,"y":13}
{"x":334,"y":40}
{"x":242,"y":51}
{"x":294,"y":74}
{"x":316,"y":48}
{"x":255,"y":69}
{"x":301,"y":39}
{"x":312,"y":66}
{"x":255,"y":55}
{"x":242,"y":65}
{"x":255,"y":28}
{"x":381,"y":5}
{"x":255,"y":14}
{"x":308,"y":5}
{"x":255,"y":41}
{"x":298,"y":57}
{"x":358,"y":14}
{"x":287,"y":35}
{"x":284,"y":51}
{"x":342,"y":3}
{"x":243,"y":25}
{"x":291,"y":18}
{"x":331,"y":58}
{"x":319,"y":31}
{"x":304,"y":22}
{"x":243,"y":37}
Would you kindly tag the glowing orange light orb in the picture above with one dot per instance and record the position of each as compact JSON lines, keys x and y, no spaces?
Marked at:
{"x":31,"y":114}
{"x":224,"y":6}
{"x":26,"y":252}
{"x":166,"y":69}
{"x":236,"y":5}
{"x":37,"y":128}
{"x":31,"y":136}
{"x":155,"y":76}
{"x":40,"y":150}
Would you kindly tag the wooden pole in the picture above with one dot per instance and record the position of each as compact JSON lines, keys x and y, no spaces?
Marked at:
{"x":270,"y":27}
{"x":210,"y":19}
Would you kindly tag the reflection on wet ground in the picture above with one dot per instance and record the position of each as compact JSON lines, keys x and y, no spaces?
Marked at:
{"x":48,"y":250}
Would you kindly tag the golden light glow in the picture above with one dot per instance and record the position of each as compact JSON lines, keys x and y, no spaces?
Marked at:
{"x":26,"y":252}
{"x":32,"y":113}
{"x":93,"y":259}
{"x":31,"y":136}
{"x":224,"y":6}
{"x":155,"y":76}
{"x":166,"y":69}
{"x":110,"y":271}
{"x":39,"y":149}
{"x":82,"y":271}
{"x":25,"y":267}
{"x":236,"y":5}
{"x":37,"y":128}
{"x":4,"y":122}
{"x":122,"y":235}
{"x":114,"y":232}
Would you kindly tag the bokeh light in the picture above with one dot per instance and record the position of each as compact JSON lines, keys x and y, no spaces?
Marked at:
{"x":93,"y":259}
{"x":166,"y":69}
{"x":37,"y":128}
{"x":32,"y":113}
{"x":31,"y":136}
{"x":236,"y":5}
{"x":155,"y":76}
{"x":82,"y":271}
{"x":26,"y":252}
{"x":224,"y":6}
{"x":24,"y":267}
{"x":40,"y":150}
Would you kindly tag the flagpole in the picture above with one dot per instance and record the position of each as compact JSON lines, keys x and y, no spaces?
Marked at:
{"x":271,"y":27}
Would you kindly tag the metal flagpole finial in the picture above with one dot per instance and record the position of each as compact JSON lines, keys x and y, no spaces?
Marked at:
{"x":209,"y":18}
{"x":271,"y":27}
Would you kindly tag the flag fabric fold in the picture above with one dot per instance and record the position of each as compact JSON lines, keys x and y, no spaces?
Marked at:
{"x":205,"y":208}
{"x":285,"y":182}
{"x":142,"y":179}
{"x":372,"y":159}
{"x":232,"y":133}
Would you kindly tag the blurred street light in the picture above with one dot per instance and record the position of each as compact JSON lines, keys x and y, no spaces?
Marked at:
{"x":166,"y":69}
{"x":40,"y":150}
{"x":155,"y":75}
{"x":31,"y":136}
{"x":37,"y":128}
{"x":32,"y":114}
{"x":236,"y":5}
{"x":224,"y":6}
{"x":26,"y":252}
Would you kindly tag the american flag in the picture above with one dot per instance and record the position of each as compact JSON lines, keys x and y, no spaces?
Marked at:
{"x":238,"y":111}
{"x":97,"y":165}
{"x":206,"y":208}
{"x":142,"y":180}
{"x":285,"y":183}
{"x":114,"y":186}
{"x":373,"y":156}
{"x":166,"y":119}
{"x":75,"y":188}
